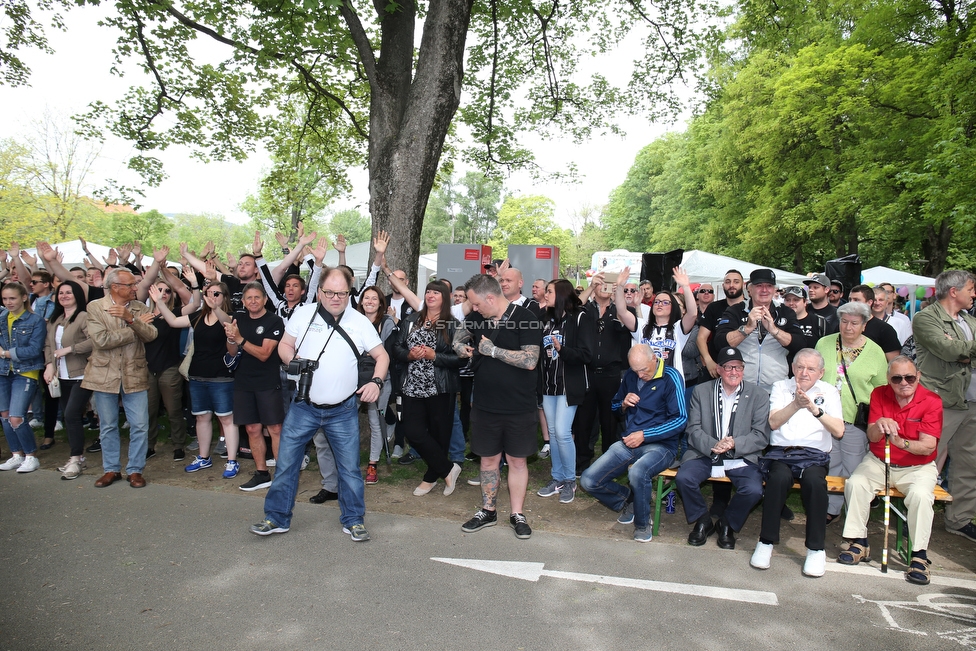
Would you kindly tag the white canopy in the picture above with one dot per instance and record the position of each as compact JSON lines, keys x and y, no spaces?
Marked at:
{"x":877,"y":275}
{"x":74,"y":256}
{"x":704,"y":267}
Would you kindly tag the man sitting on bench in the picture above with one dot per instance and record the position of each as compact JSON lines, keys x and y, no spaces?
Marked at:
{"x":652,"y":400}
{"x":728,"y":427}
{"x":910,"y":416}
{"x":805,"y":416}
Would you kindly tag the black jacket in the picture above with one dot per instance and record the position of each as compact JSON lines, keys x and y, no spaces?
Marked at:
{"x":579,"y":342}
{"x":446,"y":361}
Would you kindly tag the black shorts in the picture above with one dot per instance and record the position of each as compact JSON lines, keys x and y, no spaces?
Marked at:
{"x":264,"y":407}
{"x":514,"y":434}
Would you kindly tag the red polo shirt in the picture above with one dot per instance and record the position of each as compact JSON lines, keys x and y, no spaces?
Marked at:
{"x":922,"y":414}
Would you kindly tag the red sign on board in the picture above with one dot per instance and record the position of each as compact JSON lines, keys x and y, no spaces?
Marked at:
{"x":543,"y":254}
{"x":472,"y":254}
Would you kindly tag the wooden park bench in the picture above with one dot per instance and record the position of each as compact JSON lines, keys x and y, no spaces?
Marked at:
{"x":903,"y":544}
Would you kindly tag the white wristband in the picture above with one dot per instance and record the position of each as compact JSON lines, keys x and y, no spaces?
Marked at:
{"x":493,"y":349}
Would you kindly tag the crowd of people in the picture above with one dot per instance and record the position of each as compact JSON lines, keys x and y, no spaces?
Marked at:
{"x":765,"y":386}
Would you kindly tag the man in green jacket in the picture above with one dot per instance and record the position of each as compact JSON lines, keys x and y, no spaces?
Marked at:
{"x":946,"y":349}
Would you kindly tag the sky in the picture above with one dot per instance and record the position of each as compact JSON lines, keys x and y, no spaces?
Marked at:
{"x":78,"y":73}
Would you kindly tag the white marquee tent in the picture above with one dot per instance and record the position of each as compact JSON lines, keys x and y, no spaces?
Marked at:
{"x":704,"y":267}
{"x":885,"y":275}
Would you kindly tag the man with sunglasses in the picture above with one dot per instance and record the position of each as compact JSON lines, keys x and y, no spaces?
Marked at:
{"x":835,"y":295}
{"x":728,"y":428}
{"x":704,"y":296}
{"x":910,"y":417}
{"x":946,"y":358}
{"x":632,"y":297}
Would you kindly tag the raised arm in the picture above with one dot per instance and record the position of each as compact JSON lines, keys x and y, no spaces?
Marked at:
{"x":623,"y":314}
{"x":340,"y":247}
{"x":173,"y":320}
{"x":52,"y":264}
{"x":691,"y":306}
{"x":279,"y":272}
{"x":89,"y":258}
{"x":151,"y":274}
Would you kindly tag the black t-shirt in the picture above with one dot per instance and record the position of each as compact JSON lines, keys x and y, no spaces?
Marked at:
{"x":882,"y":334}
{"x":209,"y":348}
{"x":236,"y":288}
{"x":500,"y":387}
{"x":612,"y":337}
{"x":829,"y":313}
{"x":95,"y":293}
{"x":252,"y":374}
{"x":709,"y":321}
{"x":164,"y":351}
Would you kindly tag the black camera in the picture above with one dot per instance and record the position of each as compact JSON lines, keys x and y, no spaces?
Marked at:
{"x":303,"y":368}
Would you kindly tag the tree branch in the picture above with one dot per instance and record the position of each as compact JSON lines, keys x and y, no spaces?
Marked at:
{"x":361,"y":39}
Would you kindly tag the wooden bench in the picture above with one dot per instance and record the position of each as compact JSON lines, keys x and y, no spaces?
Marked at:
{"x":903,"y":545}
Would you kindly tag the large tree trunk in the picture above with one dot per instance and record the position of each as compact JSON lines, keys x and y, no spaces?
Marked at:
{"x":409,"y":120}
{"x":935,"y":248}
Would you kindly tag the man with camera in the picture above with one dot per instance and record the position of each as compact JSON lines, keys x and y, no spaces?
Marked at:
{"x":323,"y":336}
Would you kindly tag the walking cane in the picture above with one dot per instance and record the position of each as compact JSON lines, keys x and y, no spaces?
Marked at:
{"x":887,"y":510}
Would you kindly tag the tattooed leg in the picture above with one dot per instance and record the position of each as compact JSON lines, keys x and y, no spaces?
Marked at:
{"x":489,"y":481}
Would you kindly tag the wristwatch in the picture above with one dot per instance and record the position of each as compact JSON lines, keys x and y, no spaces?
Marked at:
{"x":906,"y":443}
{"x":819,"y":414}
{"x":378,"y":382}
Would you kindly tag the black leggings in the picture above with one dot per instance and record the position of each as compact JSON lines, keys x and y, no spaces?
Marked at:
{"x":74,"y":401}
{"x":427,"y":424}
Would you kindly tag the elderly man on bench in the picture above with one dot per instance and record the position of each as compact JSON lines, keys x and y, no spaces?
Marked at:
{"x":910,"y":416}
{"x":728,"y":428}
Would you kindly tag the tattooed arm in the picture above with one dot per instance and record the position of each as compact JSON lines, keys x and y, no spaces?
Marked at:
{"x":462,"y":343}
{"x":526,"y":357}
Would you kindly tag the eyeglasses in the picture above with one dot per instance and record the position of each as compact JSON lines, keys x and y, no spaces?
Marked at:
{"x":630,"y":291}
{"x":706,"y":291}
{"x":331,"y":294}
{"x":733,"y":368}
{"x":36,"y":282}
{"x":662,"y":302}
{"x":908,"y":379}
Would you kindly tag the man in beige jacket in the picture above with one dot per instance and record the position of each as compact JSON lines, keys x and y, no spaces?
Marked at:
{"x":118,"y":325}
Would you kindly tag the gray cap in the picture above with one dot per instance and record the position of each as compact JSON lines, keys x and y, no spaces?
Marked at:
{"x":820,"y":279}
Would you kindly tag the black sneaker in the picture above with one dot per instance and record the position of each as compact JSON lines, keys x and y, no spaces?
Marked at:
{"x":179,"y":454}
{"x":323,"y":496}
{"x":968,"y":531}
{"x":150,"y":453}
{"x":521,"y":527}
{"x":481,"y":520}
{"x":96,"y":446}
{"x":408,"y":458}
{"x":257,"y":481}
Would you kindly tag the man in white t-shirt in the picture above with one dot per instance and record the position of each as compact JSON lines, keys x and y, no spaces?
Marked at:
{"x":315,"y":333}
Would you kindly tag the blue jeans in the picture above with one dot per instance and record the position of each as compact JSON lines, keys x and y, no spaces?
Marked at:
{"x":559,"y":418}
{"x":16,"y":393}
{"x":136,"y":407}
{"x":645,"y":462}
{"x":455,"y":451}
{"x":341,"y":427}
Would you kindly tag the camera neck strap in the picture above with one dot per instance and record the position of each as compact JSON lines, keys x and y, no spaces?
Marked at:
{"x":330,"y":320}
{"x":334,"y":322}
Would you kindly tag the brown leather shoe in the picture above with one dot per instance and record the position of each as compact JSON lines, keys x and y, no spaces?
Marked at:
{"x":136,"y":480}
{"x":108,"y":479}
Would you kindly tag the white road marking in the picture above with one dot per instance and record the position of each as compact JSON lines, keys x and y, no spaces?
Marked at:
{"x":874,"y":571}
{"x":533,"y":571}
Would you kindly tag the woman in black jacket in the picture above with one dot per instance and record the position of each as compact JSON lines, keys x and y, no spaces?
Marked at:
{"x":569,"y":335}
{"x":430,"y":385}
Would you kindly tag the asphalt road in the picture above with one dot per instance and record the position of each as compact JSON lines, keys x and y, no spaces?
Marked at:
{"x":172,"y":568}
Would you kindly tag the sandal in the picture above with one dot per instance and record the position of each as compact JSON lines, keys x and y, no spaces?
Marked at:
{"x":918,"y":571}
{"x":855,"y":554}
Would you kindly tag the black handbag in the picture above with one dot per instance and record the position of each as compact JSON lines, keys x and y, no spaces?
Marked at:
{"x":863,"y":409}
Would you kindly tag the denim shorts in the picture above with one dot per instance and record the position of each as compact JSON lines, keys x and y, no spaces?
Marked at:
{"x":207,"y":396}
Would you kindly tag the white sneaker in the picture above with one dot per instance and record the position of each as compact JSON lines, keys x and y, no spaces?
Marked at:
{"x":12,"y":463}
{"x":72,"y":470}
{"x":58,"y":426}
{"x":816,"y":563}
{"x":34,"y":423}
{"x":760,"y":557}
{"x":544,"y":452}
{"x":305,"y":461}
{"x":272,"y":463}
{"x":30,"y":464}
{"x":82,"y":462}
{"x":397,"y":452}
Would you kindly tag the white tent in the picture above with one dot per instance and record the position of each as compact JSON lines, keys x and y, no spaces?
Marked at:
{"x":877,"y":275}
{"x":704,"y":267}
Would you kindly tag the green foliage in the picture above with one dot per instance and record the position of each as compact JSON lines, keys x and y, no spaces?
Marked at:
{"x":352,"y":224}
{"x":197,"y":230}
{"x":461,"y":211}
{"x":527,"y":220}
{"x":150,"y":228}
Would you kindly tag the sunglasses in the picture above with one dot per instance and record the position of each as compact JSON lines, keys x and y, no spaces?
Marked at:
{"x":706,"y":291}
{"x":630,"y":291}
{"x":835,"y":291}
{"x":215,"y":294}
{"x":908,"y":379}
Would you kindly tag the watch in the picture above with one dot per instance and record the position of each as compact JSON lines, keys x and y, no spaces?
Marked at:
{"x":742,"y":329}
{"x":821,"y":413}
{"x":378,"y":382}
{"x":906,"y":443}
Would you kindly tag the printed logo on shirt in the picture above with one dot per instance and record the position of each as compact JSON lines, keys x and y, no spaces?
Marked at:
{"x":819,"y":400}
{"x":260,"y":330}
